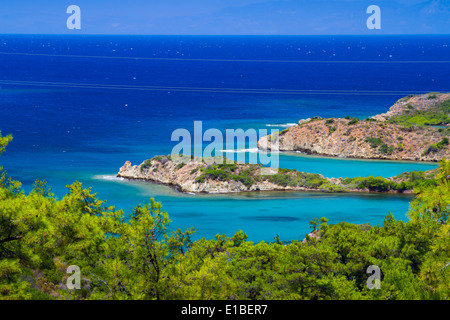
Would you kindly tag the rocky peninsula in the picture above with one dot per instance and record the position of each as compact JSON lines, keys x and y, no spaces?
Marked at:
{"x":416,"y":128}
{"x":200,"y":177}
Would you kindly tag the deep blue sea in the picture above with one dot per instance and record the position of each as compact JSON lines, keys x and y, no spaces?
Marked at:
{"x":80,"y":106}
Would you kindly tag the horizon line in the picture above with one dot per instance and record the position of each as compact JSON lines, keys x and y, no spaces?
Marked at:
{"x":229,"y":35}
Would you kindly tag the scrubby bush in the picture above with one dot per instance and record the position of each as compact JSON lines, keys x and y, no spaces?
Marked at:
{"x":280,"y":179}
{"x":374,"y":142}
{"x":386,"y":149}
{"x":146,"y":164}
{"x":436,"y":146}
{"x":353,"y":121}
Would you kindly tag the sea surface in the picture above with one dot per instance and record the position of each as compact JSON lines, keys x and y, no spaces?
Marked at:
{"x":80,"y":106}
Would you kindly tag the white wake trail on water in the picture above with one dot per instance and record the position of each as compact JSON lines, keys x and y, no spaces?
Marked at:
{"x":252,"y":150}
{"x":283,"y":125}
{"x":108,"y":177}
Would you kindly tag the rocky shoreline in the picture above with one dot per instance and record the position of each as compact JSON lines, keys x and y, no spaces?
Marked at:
{"x":403,"y":133}
{"x":399,"y":134}
{"x":187,"y":177}
{"x":220,"y":178}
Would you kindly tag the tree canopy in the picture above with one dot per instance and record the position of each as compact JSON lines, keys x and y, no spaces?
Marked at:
{"x":138,"y":256}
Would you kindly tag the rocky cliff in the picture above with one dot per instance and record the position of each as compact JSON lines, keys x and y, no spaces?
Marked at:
{"x":200,"y":177}
{"x":402,"y":133}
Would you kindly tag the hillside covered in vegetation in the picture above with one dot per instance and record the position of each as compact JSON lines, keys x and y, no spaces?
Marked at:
{"x":139,"y":257}
{"x":221,"y":177}
{"x":415,"y":128}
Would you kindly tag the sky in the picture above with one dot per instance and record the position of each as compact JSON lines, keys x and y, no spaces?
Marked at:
{"x":225,"y":17}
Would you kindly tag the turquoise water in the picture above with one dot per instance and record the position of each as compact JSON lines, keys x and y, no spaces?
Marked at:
{"x":261,"y":215}
{"x":64,"y":133}
{"x":350,"y":168}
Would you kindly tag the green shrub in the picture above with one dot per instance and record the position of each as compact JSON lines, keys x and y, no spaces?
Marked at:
{"x":226,"y":172}
{"x":432,"y":95}
{"x":280,"y":179}
{"x":353,"y":121}
{"x":146,"y":164}
{"x":441,"y":144}
{"x":436,"y":146}
{"x":435,"y":115}
{"x":386,"y":149}
{"x":330,"y":187}
{"x":313,"y":181}
{"x":374,"y":184}
{"x":374,"y":142}
{"x":246,"y":180}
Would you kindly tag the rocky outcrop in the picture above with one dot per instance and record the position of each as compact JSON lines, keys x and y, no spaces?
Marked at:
{"x":315,"y":235}
{"x":375,"y":138}
{"x":422,"y":102}
{"x":188,"y":177}
{"x":201,"y":177}
{"x":384,"y":136}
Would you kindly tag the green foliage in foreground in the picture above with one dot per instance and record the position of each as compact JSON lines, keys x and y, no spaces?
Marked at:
{"x":140,"y":258}
{"x":4,"y":142}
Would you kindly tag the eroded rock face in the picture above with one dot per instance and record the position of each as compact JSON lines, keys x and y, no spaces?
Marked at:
{"x":186,"y":177}
{"x":368,"y":139}
{"x":375,"y":139}
{"x":199,"y":177}
{"x":351,"y":141}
